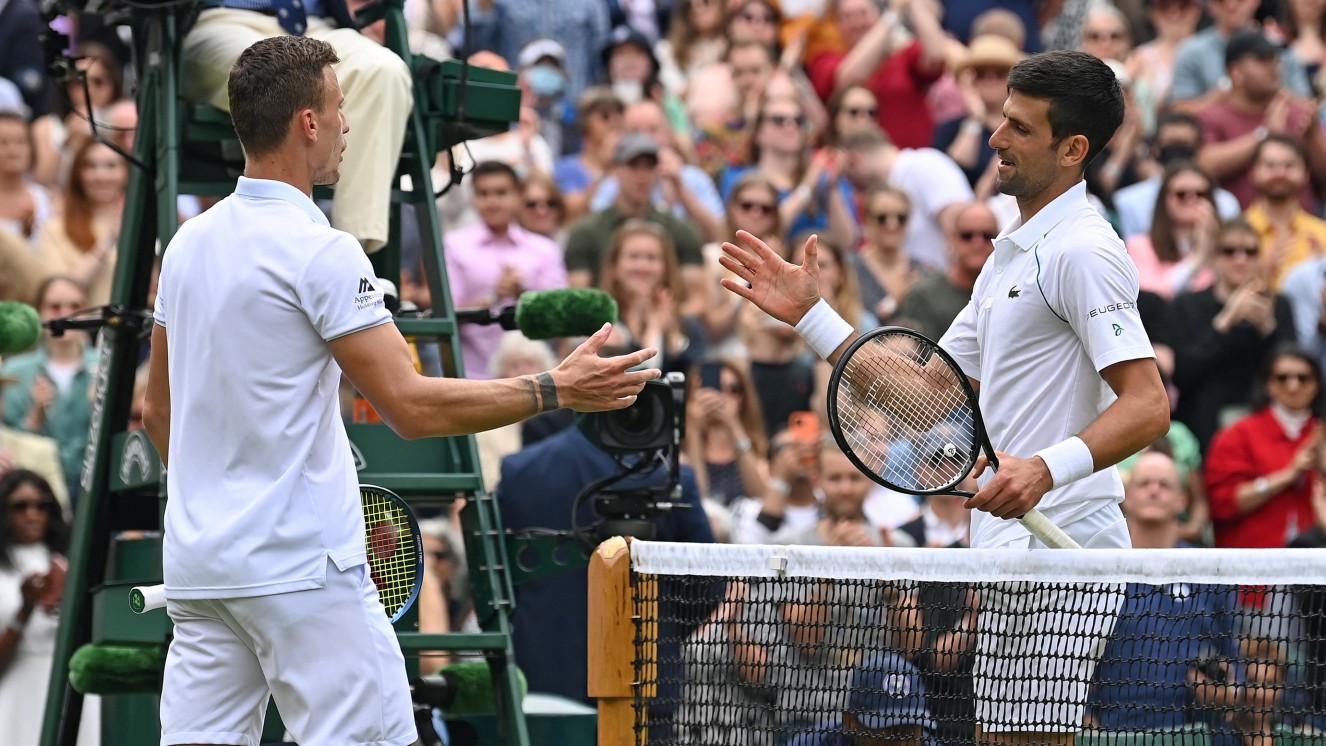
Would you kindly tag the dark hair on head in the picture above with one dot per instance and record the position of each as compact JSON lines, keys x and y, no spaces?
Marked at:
{"x":1181,"y":118}
{"x":1084,"y":95}
{"x":57,"y":531}
{"x":99,"y":54}
{"x":1285,"y":141}
{"x":273,"y":80}
{"x":1162,"y":226}
{"x":1260,"y":398}
{"x":490,"y":168}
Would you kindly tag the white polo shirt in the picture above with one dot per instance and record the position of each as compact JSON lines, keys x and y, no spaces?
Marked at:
{"x":1055,"y":304}
{"x":262,"y":483}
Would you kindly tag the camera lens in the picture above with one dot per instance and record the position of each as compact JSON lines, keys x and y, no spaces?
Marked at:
{"x":640,"y":423}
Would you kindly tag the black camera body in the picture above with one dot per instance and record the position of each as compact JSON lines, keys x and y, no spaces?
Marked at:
{"x":639,"y":437}
{"x":655,"y":422}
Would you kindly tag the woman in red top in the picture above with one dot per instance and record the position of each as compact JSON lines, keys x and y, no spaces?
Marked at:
{"x":1259,"y":471}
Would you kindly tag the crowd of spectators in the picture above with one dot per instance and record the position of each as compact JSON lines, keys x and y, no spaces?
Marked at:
{"x":651,"y":130}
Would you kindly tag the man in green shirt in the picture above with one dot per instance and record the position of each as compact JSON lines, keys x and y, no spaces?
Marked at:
{"x":935,"y":300}
{"x":635,"y":164}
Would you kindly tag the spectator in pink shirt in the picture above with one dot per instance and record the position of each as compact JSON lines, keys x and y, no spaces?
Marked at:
{"x":490,"y":263}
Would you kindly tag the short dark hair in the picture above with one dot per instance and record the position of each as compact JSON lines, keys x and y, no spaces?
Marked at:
{"x":56,"y":538}
{"x":491,"y":168}
{"x":271,"y":80}
{"x":1282,"y":140}
{"x":1180,"y":118}
{"x":1084,"y":95}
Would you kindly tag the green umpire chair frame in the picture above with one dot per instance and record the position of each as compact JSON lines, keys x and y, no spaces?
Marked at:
{"x":116,"y":535}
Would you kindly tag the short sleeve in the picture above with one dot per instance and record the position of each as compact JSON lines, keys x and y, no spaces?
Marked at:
{"x":159,"y":308}
{"x":1095,"y":290}
{"x":338,"y":290}
{"x":961,"y":341}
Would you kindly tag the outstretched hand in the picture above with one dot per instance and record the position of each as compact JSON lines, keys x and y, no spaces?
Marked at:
{"x":589,"y":383}
{"x":781,"y":289}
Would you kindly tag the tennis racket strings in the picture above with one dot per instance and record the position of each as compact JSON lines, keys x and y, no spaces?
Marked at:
{"x":905,"y":414}
{"x":389,"y":536}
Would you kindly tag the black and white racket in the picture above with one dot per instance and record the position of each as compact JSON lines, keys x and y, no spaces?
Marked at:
{"x":905,"y":414}
{"x":395,"y":555}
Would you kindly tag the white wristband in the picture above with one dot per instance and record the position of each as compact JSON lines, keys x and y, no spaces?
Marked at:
{"x":823,"y":329}
{"x":1069,"y":460}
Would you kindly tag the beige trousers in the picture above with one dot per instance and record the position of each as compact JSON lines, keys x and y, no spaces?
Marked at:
{"x":378,"y":97}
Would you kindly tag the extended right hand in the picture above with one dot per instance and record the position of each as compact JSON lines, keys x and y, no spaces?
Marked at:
{"x":783,"y":290}
{"x":589,"y":383}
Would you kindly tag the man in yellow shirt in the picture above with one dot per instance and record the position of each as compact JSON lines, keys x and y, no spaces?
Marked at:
{"x":1289,"y":234}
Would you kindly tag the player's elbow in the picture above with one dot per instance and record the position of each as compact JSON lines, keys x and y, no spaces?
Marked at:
{"x":1157,"y":416}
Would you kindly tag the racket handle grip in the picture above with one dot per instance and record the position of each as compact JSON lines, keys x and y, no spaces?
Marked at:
{"x":1050,"y":535}
{"x":144,"y":598}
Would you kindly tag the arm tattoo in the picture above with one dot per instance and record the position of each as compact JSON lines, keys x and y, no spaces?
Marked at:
{"x":547,"y":392}
{"x":533,"y":391}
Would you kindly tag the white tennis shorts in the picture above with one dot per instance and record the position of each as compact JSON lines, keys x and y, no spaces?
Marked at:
{"x":328,"y":656}
{"x":1037,"y":646}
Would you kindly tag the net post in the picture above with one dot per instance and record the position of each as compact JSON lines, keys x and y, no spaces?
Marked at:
{"x":612,"y":649}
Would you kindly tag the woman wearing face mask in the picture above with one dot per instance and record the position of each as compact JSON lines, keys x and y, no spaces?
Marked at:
{"x":633,"y":73}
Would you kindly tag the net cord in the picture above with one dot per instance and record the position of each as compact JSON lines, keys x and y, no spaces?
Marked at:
{"x":1153,"y":566}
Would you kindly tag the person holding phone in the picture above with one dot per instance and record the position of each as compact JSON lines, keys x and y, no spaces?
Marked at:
{"x":725,"y":439}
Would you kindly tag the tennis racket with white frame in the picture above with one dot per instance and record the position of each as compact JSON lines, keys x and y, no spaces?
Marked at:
{"x":905,"y":414}
{"x":395,"y":555}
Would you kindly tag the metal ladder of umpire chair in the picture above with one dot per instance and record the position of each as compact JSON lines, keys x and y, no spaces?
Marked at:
{"x":192,"y":150}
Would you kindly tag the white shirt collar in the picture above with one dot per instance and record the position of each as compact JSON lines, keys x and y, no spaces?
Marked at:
{"x":271,"y":189}
{"x":1026,"y":236}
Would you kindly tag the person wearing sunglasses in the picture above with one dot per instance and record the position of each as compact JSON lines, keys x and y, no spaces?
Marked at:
{"x":1221,"y":333}
{"x":851,"y":109}
{"x":982,"y":78}
{"x":886,"y":268}
{"x":899,"y":68}
{"x":1289,"y":234}
{"x":937,"y":298}
{"x":1261,"y":469}
{"x":33,"y":540}
{"x":1175,"y":255}
{"x":752,"y":206}
{"x":812,"y":196}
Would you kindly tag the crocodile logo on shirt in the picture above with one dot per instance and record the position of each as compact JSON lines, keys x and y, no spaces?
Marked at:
{"x":1013,"y":292}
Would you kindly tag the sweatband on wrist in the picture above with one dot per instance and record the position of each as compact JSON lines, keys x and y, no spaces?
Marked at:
{"x":823,"y":329}
{"x":1068,"y":460}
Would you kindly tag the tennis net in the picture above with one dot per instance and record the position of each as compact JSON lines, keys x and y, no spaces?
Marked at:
{"x":768,"y":645}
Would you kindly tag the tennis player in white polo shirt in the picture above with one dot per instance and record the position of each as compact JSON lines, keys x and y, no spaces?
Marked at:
{"x":1070,"y":386}
{"x":261,"y":307}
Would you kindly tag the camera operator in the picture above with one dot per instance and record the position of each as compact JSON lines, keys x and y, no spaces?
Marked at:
{"x":539,"y":487}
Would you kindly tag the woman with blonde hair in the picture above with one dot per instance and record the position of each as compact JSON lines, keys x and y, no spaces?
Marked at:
{"x":725,"y":432}
{"x":884,"y":267}
{"x":640,"y":272}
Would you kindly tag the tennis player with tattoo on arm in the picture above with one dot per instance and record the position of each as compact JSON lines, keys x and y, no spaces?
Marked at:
{"x":261,"y":307}
{"x":1070,"y":386}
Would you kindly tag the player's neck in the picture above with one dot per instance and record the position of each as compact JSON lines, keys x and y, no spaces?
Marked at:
{"x":1031,"y":204}
{"x":283,"y":167}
